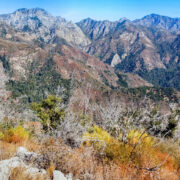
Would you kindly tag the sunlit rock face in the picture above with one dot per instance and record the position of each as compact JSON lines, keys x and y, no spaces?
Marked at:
{"x":45,"y":27}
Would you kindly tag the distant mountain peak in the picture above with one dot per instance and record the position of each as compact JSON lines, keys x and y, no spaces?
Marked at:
{"x":124,"y":19}
{"x":94,"y":20}
{"x":21,"y":10}
{"x":89,"y":19}
{"x":45,"y":27}
{"x":153,"y":15}
{"x":33,"y":11}
{"x":159,"y":21}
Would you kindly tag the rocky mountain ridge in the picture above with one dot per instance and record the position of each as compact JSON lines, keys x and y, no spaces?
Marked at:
{"x":158,"y":21}
{"x":45,"y":27}
{"x":146,"y":47}
{"x":114,"y":42}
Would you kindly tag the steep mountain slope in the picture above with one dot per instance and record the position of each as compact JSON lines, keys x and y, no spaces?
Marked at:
{"x":123,"y":40}
{"x":37,"y":27}
{"x":96,"y":29}
{"x":132,"y":47}
{"x":32,"y":71}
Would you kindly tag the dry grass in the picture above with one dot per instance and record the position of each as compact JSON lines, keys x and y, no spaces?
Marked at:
{"x":7,"y":150}
{"x":20,"y":173}
{"x":86,"y":163}
{"x":33,"y":145}
{"x":34,"y":127}
{"x":50,"y":170}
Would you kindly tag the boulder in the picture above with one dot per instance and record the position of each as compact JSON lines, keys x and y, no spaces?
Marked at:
{"x":7,"y":165}
{"x":21,"y":160}
{"x":57,"y":175}
{"x":22,"y":155}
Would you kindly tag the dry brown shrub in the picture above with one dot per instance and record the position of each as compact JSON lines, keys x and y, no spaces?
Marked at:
{"x":34,"y":127}
{"x":85,"y":163}
{"x":54,"y":151}
{"x":32,"y":145}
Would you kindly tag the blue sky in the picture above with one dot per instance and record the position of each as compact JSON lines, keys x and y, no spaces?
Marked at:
{"x":76,"y":10}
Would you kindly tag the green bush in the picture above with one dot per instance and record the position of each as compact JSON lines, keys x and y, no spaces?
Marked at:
{"x":49,"y":112}
{"x":5,"y":63}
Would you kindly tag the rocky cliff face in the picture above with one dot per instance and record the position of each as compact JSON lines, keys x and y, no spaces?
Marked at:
{"x":43,"y":26}
{"x":96,"y":29}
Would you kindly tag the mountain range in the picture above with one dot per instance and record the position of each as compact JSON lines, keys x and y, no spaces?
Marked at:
{"x":148,"y":47}
{"x":40,"y":54}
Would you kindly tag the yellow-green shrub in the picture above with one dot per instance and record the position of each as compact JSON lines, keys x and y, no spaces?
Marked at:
{"x":103,"y":142}
{"x":143,"y":147}
{"x":140,"y":137}
{"x":138,"y":145}
{"x":14,"y":135}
